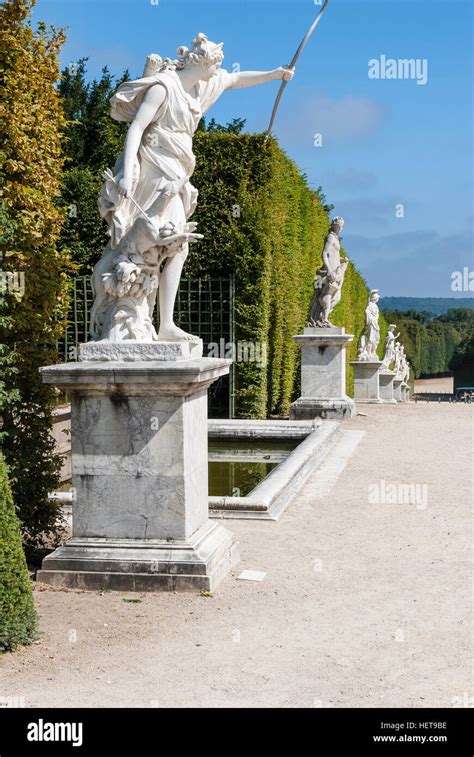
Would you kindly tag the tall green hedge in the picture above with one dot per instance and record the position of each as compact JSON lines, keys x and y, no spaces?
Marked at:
{"x":462,"y":362}
{"x":260,"y":219}
{"x":17,"y":611}
{"x":262,"y":222}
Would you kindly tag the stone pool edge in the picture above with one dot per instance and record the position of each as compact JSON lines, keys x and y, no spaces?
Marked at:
{"x":270,"y":498}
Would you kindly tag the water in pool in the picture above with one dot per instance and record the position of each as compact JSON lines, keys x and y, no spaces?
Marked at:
{"x":236,"y":467}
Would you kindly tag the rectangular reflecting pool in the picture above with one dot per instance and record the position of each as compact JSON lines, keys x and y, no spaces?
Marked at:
{"x":236,"y":467}
{"x":256,"y":467}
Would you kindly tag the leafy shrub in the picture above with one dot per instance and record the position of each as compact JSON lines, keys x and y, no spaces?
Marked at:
{"x":18,"y":620}
{"x":30,"y":322}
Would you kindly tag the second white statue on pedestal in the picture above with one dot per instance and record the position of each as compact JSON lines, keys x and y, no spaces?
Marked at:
{"x":329,"y":278}
{"x":389,"y":347}
{"x":371,"y":336}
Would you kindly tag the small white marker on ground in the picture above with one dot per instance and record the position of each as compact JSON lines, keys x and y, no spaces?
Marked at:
{"x":252,"y":575}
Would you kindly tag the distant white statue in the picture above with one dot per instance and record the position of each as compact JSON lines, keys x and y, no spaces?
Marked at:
{"x":406,"y":377}
{"x":148,"y":199}
{"x":389,"y":346}
{"x":404,"y":366}
{"x":371,"y":336}
{"x":329,"y":278}
{"x":398,"y":359}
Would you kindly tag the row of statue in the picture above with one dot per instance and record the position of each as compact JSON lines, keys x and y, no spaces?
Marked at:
{"x":327,"y":293}
{"x":148,"y":199}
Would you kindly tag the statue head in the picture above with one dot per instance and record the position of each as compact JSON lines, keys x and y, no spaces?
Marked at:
{"x":374,"y":295}
{"x":337,"y":224}
{"x":203,"y":53}
{"x":392,"y":327}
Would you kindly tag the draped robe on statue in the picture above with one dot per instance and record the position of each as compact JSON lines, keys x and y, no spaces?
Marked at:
{"x":372,"y":331}
{"x":165,"y":155}
{"x":166,"y":149}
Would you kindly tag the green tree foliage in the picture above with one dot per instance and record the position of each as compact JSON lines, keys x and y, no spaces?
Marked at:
{"x":235,"y":126}
{"x":459,"y":317}
{"x":462,"y":361}
{"x":93,"y":142}
{"x":30,"y":321}
{"x":93,"y":139}
{"x":84,"y":233}
{"x":8,"y":393}
{"x":431,"y":343}
{"x":18,"y":618}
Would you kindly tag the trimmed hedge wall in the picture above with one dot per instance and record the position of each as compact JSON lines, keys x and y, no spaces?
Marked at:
{"x":462,"y":362}
{"x":262,"y":222}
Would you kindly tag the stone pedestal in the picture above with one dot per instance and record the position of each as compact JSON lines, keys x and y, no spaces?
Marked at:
{"x":323,"y":375}
{"x":140,"y":483}
{"x":366,"y":381}
{"x":386,"y":378}
{"x":397,"y":389}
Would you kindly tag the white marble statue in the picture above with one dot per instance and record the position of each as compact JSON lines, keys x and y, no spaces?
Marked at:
{"x":149,"y":198}
{"x":389,"y":347}
{"x":406,"y":377}
{"x":402,"y":366}
{"x":398,"y":359}
{"x":329,"y":278}
{"x":371,"y":336}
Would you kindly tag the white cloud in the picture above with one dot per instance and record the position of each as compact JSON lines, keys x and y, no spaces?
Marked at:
{"x":350,"y":180}
{"x":338,"y":120}
{"x":412,"y":263}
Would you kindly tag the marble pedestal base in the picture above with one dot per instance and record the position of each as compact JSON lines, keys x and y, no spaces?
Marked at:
{"x":386,"y":378}
{"x":366,"y":381}
{"x":405,"y":392}
{"x":140,"y":484}
{"x":323,"y":375}
{"x":198,"y":563}
{"x":397,"y":389}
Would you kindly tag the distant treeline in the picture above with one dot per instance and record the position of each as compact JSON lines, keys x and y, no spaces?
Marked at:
{"x":439,"y":345}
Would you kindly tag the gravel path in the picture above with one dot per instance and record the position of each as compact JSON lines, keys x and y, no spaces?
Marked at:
{"x":445,"y":384}
{"x":363,"y":604}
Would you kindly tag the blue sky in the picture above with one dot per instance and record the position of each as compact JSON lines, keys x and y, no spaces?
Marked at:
{"x":385,"y":142}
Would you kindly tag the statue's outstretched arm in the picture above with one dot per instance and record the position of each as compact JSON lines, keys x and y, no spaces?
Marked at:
{"x":252,"y":78}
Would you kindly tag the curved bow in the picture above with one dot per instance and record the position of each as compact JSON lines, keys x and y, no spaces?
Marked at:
{"x":293,"y":64}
